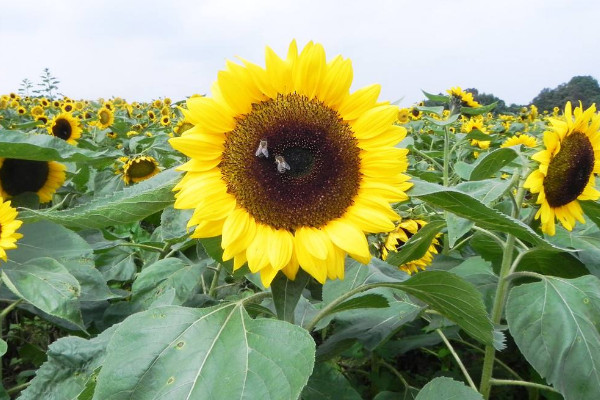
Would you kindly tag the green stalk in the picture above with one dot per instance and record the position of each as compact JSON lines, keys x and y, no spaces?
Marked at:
{"x":3,"y":316}
{"x":215,"y":280}
{"x":500,"y":297}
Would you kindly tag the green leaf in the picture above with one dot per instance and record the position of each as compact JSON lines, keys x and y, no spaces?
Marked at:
{"x":468,"y":207}
{"x":478,"y":272}
{"x":490,"y":163}
{"x":173,"y":223}
{"x":454,"y":298}
{"x":555,"y":325}
{"x":213,"y":248}
{"x":72,"y":363}
{"x":371,"y":300}
{"x":46,"y":284}
{"x":487,"y":190}
{"x":417,"y":245}
{"x":443,"y":122}
{"x":476,"y":134}
{"x":553,"y":263}
{"x":457,"y":228}
{"x":438,"y":110}
{"x":442,"y":388}
{"x":218,"y":352}
{"x":3,"y":347}
{"x":286,"y":294}
{"x":128,"y":205}
{"x":591,"y":210}
{"x":478,"y":110}
{"x":436,"y":97}
{"x":165,"y":274}
{"x":17,"y":144}
{"x":328,"y":383}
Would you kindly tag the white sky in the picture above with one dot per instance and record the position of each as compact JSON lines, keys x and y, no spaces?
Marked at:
{"x":142,"y":50}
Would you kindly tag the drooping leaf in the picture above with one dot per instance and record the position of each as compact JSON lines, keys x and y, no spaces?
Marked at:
{"x":287,"y":293}
{"x":555,"y":325}
{"x":128,"y":205}
{"x":217,"y":352}
{"x":21,"y":145}
{"x":436,"y":97}
{"x":442,"y":388}
{"x":454,"y":298}
{"x":46,"y":284}
{"x":468,"y":207}
{"x":478,"y":110}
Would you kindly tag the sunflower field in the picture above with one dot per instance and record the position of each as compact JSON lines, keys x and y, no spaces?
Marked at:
{"x":284,"y":237}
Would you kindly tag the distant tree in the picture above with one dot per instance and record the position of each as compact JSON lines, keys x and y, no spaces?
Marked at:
{"x":579,"y":88}
{"x":25,"y":86}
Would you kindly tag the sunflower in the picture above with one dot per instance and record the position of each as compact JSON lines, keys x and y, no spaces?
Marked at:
{"x":465,"y":98}
{"x":165,"y":121}
{"x":525,"y":140}
{"x":8,"y":228}
{"x":403,"y":115}
{"x":20,"y":176}
{"x":399,"y":236}
{"x":182,"y":126}
{"x":139,"y":168}
{"x":105,"y":118}
{"x":36,"y":110}
{"x":289,"y":167}
{"x":65,"y":127}
{"x":476,"y":123}
{"x":567,"y":168}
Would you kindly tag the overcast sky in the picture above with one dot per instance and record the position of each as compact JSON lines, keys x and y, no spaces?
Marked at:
{"x":141,"y":50}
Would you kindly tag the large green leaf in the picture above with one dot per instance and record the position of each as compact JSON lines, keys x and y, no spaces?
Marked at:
{"x":128,"y":205}
{"x":487,"y":190}
{"x":592,"y":211}
{"x":479,"y":272}
{"x":555,"y":325}
{"x":17,"y":144}
{"x":550,"y":262}
{"x":468,"y":207}
{"x":46,"y":284}
{"x":71,"y":362}
{"x":436,"y":97}
{"x":490,"y":163}
{"x":454,"y":298}
{"x":219,"y":353}
{"x":442,"y":388}
{"x":417,"y":245}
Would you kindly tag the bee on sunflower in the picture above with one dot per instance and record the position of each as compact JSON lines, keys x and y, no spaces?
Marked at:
{"x":331,"y":173}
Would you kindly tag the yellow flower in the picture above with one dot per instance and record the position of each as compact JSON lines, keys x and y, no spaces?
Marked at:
{"x":399,"y":236}
{"x":65,"y":127}
{"x":289,"y":166}
{"x":567,"y":167}
{"x":8,"y":228}
{"x":403,"y":115}
{"x":105,"y":118}
{"x":525,"y":140}
{"x":139,"y":169}
{"x":40,"y":177}
{"x":476,"y":123}
{"x":465,"y":98}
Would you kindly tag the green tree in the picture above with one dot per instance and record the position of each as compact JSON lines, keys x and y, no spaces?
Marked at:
{"x":579,"y":88}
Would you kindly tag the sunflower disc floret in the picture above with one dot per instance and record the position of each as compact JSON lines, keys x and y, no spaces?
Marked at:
{"x":289,"y":166}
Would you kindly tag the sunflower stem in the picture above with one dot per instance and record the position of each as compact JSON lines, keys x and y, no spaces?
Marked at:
{"x":215,"y":280}
{"x":504,"y":382}
{"x":500,"y":297}
{"x":142,"y":246}
{"x":457,"y":359}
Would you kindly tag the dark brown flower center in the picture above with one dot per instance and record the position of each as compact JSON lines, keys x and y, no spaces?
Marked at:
{"x":140,"y":169}
{"x":570,"y":170}
{"x":62,"y":129}
{"x":312,"y":172}
{"x":20,"y":176}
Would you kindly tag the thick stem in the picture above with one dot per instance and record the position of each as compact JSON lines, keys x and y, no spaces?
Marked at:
{"x":499,"y":298}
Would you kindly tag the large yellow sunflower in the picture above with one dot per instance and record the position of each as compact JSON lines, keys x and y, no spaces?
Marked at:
{"x":65,"y":127}
{"x":105,"y":118}
{"x":567,"y":168}
{"x":289,"y":166}
{"x":8,"y":228}
{"x":20,"y":176}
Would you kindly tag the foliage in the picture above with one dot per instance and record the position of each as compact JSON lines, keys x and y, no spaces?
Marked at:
{"x":107,"y":296}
